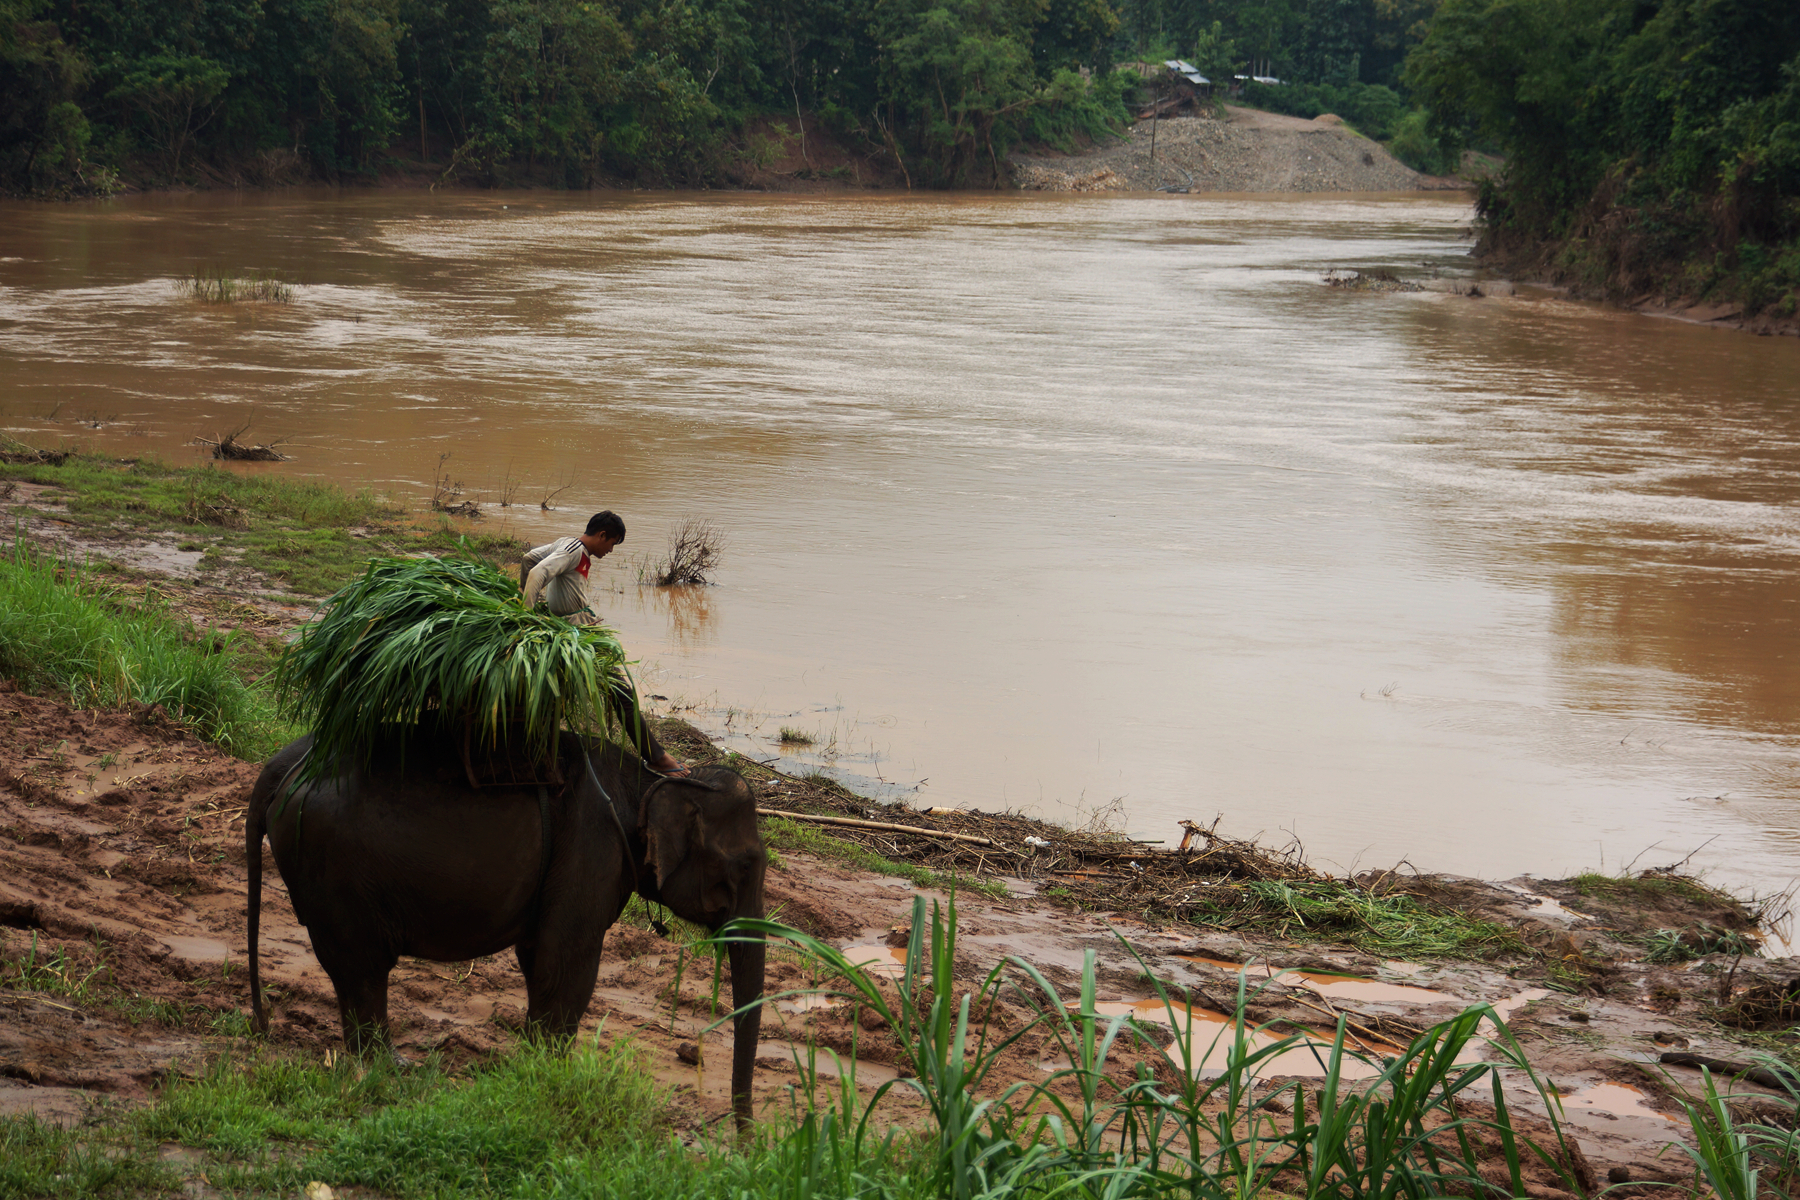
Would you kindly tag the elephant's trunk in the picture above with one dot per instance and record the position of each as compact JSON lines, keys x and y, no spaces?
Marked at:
{"x":746,"y":958}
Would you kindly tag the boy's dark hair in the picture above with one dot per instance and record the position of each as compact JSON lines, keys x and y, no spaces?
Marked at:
{"x":607,"y":522}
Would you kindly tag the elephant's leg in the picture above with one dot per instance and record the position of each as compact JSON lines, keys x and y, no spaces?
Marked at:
{"x":360,"y":979}
{"x":559,"y":987}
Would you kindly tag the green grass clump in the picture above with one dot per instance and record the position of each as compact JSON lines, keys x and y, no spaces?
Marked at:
{"x":427,"y":638}
{"x":59,"y":628}
{"x":39,"y":1158}
{"x":795,"y":737}
{"x":1671,"y":946}
{"x":1395,"y":925}
{"x":779,"y":834}
{"x":211,"y":285}
{"x":1649,"y":885}
{"x":532,"y":1122}
{"x":50,"y":969}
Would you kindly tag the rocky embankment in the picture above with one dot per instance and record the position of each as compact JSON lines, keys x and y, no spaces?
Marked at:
{"x":1249,"y":151}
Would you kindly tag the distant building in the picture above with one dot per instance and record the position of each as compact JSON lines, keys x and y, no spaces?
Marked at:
{"x":1187,"y":71}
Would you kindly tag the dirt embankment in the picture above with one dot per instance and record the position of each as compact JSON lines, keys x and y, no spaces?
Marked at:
{"x":1249,"y":151}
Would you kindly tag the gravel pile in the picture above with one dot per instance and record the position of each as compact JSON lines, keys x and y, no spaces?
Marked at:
{"x":1200,"y":154}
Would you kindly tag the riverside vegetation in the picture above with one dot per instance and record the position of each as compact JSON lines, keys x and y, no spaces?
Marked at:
{"x":573,"y":93}
{"x":1651,"y":146}
{"x":261,"y":1119}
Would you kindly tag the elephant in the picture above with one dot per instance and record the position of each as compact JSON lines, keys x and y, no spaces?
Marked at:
{"x":404,"y":856}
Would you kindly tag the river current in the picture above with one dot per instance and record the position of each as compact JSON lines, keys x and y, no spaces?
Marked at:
{"x":1043,"y":503}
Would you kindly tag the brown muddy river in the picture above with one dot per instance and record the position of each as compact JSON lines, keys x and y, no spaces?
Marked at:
{"x":1044,"y":503}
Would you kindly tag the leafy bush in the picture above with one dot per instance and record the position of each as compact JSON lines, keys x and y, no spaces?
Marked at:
{"x":1648,"y":146}
{"x":1414,"y":144}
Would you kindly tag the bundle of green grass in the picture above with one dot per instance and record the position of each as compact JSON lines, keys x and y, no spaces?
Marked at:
{"x":446,"y":642}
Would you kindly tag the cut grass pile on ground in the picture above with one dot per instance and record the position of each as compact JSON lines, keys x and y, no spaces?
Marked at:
{"x":1653,"y":884}
{"x":61,"y":629}
{"x":1391,"y":925}
{"x":309,"y":537}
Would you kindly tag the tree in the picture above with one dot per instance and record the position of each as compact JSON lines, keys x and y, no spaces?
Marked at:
{"x":44,"y":135}
{"x":174,"y":95}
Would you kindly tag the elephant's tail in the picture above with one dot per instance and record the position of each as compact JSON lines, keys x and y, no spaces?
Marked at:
{"x":256,"y":825}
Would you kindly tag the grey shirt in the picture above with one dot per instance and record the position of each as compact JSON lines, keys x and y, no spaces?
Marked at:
{"x":555,"y":571}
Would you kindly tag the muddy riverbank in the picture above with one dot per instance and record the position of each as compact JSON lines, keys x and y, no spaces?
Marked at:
{"x":122,"y":880}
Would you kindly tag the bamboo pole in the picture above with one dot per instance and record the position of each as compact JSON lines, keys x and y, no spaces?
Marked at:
{"x":860,"y":824}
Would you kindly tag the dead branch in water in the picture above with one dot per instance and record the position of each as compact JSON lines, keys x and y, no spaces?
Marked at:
{"x":14,"y":451}
{"x":696,"y":548}
{"x":230,"y":447}
{"x":446,"y":496}
{"x":546,"y":504}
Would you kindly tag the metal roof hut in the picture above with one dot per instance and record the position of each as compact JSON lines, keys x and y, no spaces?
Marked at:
{"x":1180,"y":85}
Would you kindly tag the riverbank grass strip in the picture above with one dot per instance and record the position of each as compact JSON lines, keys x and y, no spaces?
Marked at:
{"x":307,"y":536}
{"x":61,"y":629}
{"x":781,"y":834}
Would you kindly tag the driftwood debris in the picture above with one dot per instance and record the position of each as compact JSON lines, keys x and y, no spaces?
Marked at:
{"x":855,"y":822}
{"x":20,"y":453}
{"x":1770,"y":1075}
{"x":230,"y":447}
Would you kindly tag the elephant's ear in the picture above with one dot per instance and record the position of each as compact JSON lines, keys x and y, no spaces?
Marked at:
{"x":685,"y":827}
{"x":672,"y":825}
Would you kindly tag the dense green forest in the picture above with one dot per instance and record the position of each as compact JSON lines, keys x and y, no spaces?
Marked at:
{"x":575,"y":92}
{"x":1653,"y":145}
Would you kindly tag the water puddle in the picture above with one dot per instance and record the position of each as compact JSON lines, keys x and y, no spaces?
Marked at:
{"x":824,"y":1063}
{"x":1546,"y":907}
{"x":883,"y":962}
{"x":1504,"y":1009}
{"x":1355,"y":987}
{"x":1609,"y":1102}
{"x":197,"y":949}
{"x":1224,"y":964}
{"x":808,"y":1002}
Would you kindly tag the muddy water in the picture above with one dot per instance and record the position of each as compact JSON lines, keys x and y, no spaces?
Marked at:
{"x":1045,"y":502}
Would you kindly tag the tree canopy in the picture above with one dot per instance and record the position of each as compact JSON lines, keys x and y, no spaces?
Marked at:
{"x":1651,"y":144}
{"x":571,"y":92}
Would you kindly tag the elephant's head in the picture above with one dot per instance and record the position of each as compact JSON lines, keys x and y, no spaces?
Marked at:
{"x":706,"y":857}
